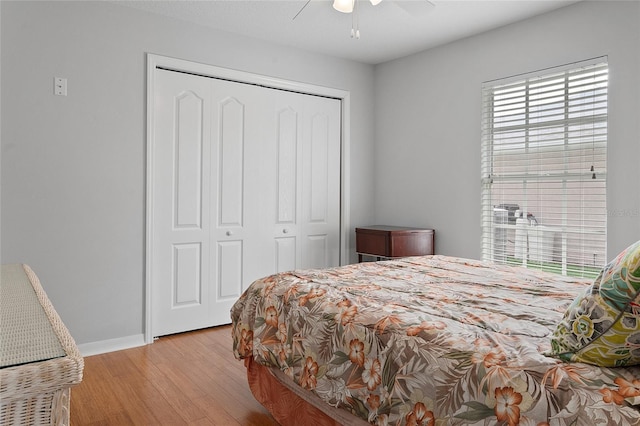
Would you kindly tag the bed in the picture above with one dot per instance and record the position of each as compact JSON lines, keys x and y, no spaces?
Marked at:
{"x":440,"y":340}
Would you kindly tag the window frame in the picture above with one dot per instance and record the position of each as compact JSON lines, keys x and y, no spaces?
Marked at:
{"x":573,"y":119}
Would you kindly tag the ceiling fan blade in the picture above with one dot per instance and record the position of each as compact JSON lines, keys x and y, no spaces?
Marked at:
{"x":415,"y":7}
{"x":303,"y":8}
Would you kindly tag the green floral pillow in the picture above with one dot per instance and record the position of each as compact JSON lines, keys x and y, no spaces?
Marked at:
{"x":602,"y":325}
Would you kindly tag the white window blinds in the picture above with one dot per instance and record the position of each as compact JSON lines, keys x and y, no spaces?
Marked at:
{"x":544,"y":158}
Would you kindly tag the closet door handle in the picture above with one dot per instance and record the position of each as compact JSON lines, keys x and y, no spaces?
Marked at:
{"x":285,"y":231}
{"x":229,"y":233}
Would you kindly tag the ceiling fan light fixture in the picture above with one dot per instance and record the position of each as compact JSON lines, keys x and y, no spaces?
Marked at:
{"x":344,"y":6}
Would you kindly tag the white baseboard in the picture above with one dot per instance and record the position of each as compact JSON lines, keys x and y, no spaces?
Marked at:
{"x":111,"y":345}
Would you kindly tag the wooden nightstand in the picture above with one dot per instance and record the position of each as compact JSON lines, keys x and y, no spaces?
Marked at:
{"x":393,"y":241}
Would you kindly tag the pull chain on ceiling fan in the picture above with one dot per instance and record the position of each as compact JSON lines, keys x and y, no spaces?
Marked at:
{"x":355,"y":22}
{"x":351,"y":6}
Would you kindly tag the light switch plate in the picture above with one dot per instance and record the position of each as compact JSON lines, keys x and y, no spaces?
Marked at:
{"x":60,"y":86}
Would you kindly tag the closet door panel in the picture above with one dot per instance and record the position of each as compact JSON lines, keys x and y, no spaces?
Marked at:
{"x":285,"y":253}
{"x":180,"y":225}
{"x":316,"y":254}
{"x":230,"y":162}
{"x":320,"y":182}
{"x":286,"y":146}
{"x":186,"y":280}
{"x":188,"y":146}
{"x":229,"y":268}
{"x":285,"y":190}
{"x":308,"y":181}
{"x":228,"y":232}
{"x":243,"y":132}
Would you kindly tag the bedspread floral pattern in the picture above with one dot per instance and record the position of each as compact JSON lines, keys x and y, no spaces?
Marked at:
{"x":430,"y":341}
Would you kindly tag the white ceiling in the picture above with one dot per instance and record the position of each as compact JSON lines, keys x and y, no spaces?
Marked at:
{"x":390,"y":30}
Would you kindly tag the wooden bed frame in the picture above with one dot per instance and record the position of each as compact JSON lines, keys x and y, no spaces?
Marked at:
{"x":289,"y":404}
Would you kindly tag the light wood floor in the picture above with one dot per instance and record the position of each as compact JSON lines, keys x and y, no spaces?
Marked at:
{"x":184,"y":379}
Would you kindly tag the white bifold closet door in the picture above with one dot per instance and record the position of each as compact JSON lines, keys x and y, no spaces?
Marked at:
{"x":246,"y":183}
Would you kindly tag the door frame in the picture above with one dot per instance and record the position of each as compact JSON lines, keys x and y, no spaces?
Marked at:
{"x":164,"y":62}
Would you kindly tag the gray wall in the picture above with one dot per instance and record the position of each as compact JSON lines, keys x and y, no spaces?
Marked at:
{"x":73,"y":168}
{"x":428,"y":119}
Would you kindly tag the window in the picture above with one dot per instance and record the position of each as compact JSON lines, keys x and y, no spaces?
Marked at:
{"x":544,"y":158}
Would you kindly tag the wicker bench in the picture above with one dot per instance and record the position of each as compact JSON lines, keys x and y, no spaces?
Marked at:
{"x":39,"y":360}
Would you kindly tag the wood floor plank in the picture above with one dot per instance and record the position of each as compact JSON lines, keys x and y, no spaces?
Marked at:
{"x":184,"y":379}
{"x":216,"y":412}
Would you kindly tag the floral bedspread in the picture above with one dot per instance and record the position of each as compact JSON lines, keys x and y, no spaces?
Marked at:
{"x":430,"y":340}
